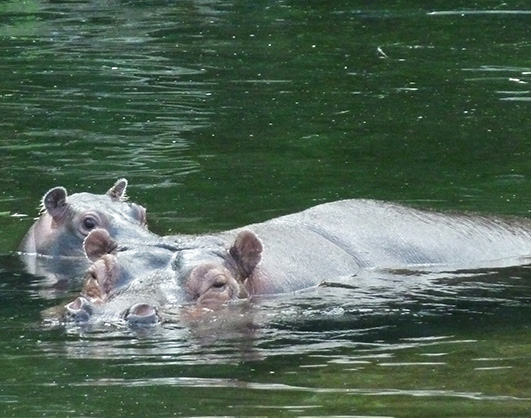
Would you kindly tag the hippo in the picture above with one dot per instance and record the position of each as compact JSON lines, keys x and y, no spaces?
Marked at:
{"x":53,"y":247}
{"x":288,"y":254}
{"x":134,"y":282}
{"x":65,"y":221}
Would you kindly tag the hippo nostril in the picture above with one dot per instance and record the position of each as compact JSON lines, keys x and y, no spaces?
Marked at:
{"x":79,"y":310}
{"x":91,"y":274}
{"x":141,"y":314}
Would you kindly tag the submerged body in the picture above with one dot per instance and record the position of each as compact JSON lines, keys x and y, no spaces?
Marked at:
{"x":293,"y":252}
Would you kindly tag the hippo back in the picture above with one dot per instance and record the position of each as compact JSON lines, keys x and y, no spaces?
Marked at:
{"x":389,"y":235}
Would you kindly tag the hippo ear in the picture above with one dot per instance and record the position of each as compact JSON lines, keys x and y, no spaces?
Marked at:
{"x":247,"y":251}
{"x":98,"y":243}
{"x":54,"y":202}
{"x":118,"y":190}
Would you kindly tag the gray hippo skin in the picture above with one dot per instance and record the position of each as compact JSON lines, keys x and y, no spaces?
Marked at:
{"x":52,"y":249}
{"x":65,"y":221}
{"x":291,"y":253}
{"x":135,"y":282}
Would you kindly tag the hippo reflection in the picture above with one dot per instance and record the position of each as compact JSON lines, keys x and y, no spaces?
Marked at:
{"x":287,"y":254}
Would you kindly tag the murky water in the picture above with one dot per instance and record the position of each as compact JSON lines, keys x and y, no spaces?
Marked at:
{"x":226,"y":113}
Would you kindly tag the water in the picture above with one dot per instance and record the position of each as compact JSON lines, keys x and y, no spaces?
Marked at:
{"x":226,"y":113}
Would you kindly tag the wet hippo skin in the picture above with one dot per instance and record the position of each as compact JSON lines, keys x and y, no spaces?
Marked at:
{"x":290,"y":253}
{"x":53,"y":246}
{"x":66,"y":220}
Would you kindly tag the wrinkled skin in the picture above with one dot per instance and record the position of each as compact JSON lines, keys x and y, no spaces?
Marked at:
{"x":134,"y":282}
{"x":291,"y":253}
{"x":56,"y":238}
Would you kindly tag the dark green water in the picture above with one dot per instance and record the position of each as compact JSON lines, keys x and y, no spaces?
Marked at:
{"x":225,"y":113}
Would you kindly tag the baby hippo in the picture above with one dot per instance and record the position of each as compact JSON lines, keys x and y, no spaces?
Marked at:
{"x":66,"y":221}
{"x":136,"y":283}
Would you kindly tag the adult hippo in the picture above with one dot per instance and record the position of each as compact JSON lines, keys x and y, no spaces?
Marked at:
{"x":53,"y":246}
{"x":65,"y":220}
{"x":134,"y":282}
{"x":290,"y":253}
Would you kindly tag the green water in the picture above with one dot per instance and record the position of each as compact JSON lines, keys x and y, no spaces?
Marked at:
{"x":225,"y":113}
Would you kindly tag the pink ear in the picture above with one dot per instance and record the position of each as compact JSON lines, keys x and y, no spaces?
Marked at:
{"x":98,"y":243}
{"x":247,"y":251}
{"x":55,"y":202}
{"x":118,"y":190}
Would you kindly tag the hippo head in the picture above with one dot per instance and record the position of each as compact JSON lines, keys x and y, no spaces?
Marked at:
{"x":224,"y":269}
{"x":66,"y":220}
{"x":120,"y":279}
{"x":137,"y":281}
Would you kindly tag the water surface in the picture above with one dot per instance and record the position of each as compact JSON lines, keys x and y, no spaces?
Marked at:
{"x":225,"y":113}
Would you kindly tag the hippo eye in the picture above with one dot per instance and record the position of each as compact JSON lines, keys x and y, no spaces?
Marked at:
{"x":219,"y":283}
{"x":89,"y":223}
